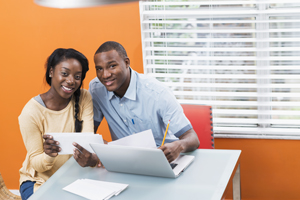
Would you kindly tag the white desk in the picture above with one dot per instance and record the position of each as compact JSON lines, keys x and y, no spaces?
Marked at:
{"x":205,"y":179}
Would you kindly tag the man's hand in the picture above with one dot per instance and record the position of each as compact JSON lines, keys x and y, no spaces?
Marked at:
{"x":172,"y":150}
{"x":187,"y":142}
{"x":84,"y":158}
{"x":50,"y":146}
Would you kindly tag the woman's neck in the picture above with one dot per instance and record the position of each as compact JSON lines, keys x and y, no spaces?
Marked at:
{"x":54,"y":101}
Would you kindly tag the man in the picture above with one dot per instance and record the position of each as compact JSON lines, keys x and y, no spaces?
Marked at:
{"x":133,"y":102}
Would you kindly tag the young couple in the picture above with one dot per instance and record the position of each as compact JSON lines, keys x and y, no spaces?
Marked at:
{"x":129,"y":101}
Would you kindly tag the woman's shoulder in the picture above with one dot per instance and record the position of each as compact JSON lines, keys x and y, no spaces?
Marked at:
{"x":85,"y":95}
{"x":32,"y":104}
{"x":32,"y":108}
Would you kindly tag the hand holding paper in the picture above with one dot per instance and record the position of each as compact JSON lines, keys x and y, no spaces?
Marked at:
{"x":50,"y":146}
{"x":84,"y":158}
{"x":65,"y":141}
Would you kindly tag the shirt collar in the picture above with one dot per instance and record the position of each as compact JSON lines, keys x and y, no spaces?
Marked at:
{"x":110,"y":95}
{"x":131,"y":90}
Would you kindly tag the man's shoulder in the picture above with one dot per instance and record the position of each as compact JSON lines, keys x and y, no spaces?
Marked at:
{"x":95,"y":85}
{"x":150,"y":83}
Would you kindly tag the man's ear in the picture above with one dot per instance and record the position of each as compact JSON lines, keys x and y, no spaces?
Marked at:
{"x":127,"y":61}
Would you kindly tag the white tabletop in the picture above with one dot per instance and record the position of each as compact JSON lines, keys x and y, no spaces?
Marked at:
{"x":206,"y":178}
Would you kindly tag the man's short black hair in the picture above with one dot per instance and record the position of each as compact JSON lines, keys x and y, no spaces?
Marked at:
{"x":111,"y":45}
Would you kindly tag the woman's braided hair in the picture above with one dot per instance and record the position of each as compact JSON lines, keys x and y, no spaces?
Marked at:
{"x":60,"y":55}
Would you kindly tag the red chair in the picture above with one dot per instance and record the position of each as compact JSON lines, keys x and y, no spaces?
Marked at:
{"x":200,"y":117}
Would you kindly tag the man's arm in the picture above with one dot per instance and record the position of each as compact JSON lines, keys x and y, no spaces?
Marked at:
{"x":187,"y":142}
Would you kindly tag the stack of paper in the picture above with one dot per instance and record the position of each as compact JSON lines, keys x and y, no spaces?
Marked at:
{"x":95,"y":190}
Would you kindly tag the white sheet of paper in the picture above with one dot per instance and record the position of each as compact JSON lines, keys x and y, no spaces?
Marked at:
{"x":87,"y":190}
{"x":83,"y":139}
{"x":142,"y":139}
{"x":117,"y":187}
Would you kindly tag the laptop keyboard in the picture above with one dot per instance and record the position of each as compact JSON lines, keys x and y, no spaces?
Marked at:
{"x":173,"y":165}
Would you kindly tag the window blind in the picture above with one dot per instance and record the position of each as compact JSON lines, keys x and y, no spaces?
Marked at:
{"x":240,"y":57}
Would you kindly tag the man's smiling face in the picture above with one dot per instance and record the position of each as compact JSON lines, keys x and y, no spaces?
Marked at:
{"x":113,"y":71}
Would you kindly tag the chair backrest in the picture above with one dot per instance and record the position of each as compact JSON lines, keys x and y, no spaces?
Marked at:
{"x":200,"y":117}
{"x":5,"y":194}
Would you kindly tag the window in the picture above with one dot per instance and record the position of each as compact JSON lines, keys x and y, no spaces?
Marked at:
{"x":240,"y":57}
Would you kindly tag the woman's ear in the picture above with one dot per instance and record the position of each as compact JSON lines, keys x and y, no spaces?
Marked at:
{"x":51,"y":72}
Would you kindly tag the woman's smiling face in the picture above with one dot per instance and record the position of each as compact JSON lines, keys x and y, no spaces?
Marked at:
{"x":66,"y":77}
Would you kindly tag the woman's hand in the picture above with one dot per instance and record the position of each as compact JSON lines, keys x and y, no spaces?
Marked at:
{"x":50,"y":146}
{"x":84,"y":158}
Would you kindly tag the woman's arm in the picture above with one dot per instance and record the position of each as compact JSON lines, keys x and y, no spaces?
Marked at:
{"x":32,"y":136}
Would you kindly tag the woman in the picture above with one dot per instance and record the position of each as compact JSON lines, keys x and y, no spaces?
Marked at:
{"x":65,"y":107}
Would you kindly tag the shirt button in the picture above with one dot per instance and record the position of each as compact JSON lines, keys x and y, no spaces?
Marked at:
{"x":121,"y":104}
{"x":125,"y":120}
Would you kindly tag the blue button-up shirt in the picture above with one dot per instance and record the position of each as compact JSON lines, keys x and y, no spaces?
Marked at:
{"x":147,"y":104}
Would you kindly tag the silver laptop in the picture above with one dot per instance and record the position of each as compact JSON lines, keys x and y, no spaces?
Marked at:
{"x":138,"y":160}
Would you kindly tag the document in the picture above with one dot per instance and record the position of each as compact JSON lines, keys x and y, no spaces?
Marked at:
{"x":143,"y":139}
{"x":94,"y":189}
{"x":83,"y":139}
{"x":117,"y":187}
